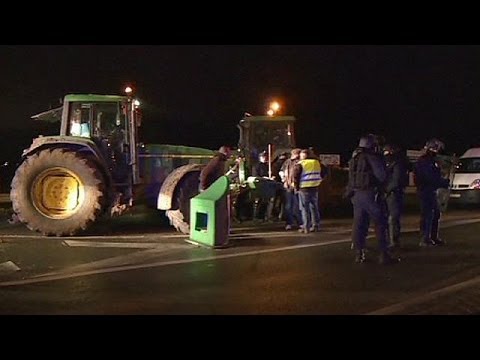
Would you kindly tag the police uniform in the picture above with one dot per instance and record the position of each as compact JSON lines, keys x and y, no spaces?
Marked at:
{"x":367,"y":175}
{"x":428,"y":178}
{"x":397,"y":175}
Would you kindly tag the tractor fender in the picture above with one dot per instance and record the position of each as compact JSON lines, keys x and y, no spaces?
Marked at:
{"x":165,"y":196}
{"x":67,"y":142}
{"x":43,"y":142}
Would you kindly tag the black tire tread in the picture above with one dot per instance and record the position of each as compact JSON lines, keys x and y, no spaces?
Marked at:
{"x":34,"y":220}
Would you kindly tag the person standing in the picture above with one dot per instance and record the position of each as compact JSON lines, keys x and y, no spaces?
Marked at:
{"x":279,"y":201}
{"x":307,"y":175}
{"x":367,"y":176}
{"x":397,"y":180}
{"x":428,"y":178}
{"x":264,"y":200}
{"x":292,"y":210}
{"x":215,"y":168}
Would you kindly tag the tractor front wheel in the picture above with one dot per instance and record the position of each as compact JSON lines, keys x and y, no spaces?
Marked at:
{"x":58,"y":192}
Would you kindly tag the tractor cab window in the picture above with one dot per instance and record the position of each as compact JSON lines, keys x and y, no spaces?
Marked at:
{"x":108,"y":119}
{"x":101,"y":121}
{"x":110,"y":125}
{"x":278,"y":134}
{"x":80,"y":120}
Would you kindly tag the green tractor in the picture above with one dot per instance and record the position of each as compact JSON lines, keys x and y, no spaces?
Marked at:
{"x":276,"y":134}
{"x":261,"y":133}
{"x":96,"y":166}
{"x":273,"y":134}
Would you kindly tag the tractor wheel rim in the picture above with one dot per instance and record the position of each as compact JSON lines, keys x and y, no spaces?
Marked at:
{"x":57,"y":193}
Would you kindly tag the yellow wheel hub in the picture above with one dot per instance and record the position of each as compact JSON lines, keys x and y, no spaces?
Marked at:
{"x":57,"y":193}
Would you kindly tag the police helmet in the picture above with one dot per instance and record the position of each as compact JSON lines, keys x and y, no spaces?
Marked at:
{"x":434,"y":145}
{"x":368,"y":142}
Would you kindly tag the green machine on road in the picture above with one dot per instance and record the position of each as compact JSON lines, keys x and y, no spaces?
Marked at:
{"x":97,"y":166}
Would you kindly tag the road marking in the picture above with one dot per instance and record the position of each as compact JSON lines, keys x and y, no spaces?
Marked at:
{"x":61,"y":276}
{"x":426,"y":297}
{"x":8,"y":236}
{"x":344,"y":228}
{"x":8,"y":266}
{"x":103,"y":244}
{"x":158,"y":236}
{"x":163,"y":263}
{"x":121,"y":260}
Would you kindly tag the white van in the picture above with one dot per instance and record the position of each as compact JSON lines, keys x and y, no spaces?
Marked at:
{"x":466,"y":182}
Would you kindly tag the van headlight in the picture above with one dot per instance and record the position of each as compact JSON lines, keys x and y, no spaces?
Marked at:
{"x":475,"y":184}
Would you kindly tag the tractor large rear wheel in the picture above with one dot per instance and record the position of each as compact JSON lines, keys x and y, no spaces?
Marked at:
{"x":187,"y":188}
{"x":58,"y":192}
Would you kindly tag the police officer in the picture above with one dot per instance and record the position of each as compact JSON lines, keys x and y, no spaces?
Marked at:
{"x":428,"y":178}
{"x":367,"y":176}
{"x":397,"y":180}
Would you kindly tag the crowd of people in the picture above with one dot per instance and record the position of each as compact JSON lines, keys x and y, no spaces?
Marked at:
{"x":378,"y":176}
{"x":377,"y":180}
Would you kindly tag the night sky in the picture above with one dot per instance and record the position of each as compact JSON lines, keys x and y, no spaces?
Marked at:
{"x":196,"y":94}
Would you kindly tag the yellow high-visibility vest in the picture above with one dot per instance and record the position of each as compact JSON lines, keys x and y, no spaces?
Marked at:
{"x":310,"y":173}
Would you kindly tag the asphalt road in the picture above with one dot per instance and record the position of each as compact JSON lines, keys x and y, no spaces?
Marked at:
{"x":135,"y":265}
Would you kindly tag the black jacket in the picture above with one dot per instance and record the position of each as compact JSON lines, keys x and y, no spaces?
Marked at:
{"x":367,"y":171}
{"x":428,"y":176}
{"x":214,"y":169}
{"x":397,"y":173}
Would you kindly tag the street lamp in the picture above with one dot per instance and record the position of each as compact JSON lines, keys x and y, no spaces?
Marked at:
{"x":273,"y":108}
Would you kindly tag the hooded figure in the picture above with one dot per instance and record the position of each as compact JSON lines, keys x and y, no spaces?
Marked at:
{"x":215,"y":168}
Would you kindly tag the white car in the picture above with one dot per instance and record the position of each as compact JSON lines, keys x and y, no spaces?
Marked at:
{"x":466,"y":182}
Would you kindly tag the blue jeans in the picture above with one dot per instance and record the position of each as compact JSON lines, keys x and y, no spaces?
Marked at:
{"x":292,"y":210}
{"x":309,"y":207}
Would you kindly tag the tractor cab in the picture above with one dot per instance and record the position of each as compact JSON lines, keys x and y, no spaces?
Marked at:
{"x":258,"y":132}
{"x":94,"y":116}
{"x":110,"y":121}
{"x":273,"y":135}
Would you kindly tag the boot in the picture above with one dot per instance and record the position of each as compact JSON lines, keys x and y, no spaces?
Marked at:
{"x":360,"y":257}
{"x":386,"y":259}
{"x":438,"y":242}
{"x":396,"y":243}
{"x":426,"y":243}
